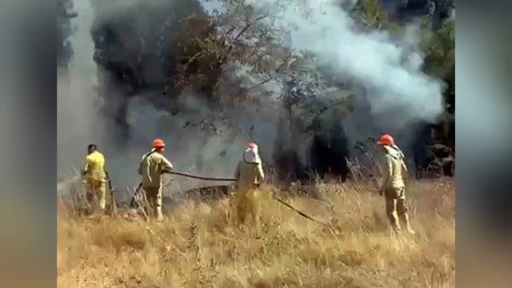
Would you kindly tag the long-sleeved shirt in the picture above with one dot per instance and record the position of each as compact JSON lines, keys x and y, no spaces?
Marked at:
{"x":249,"y":174}
{"x":94,"y":168}
{"x":151,"y":168}
{"x":392,"y":169}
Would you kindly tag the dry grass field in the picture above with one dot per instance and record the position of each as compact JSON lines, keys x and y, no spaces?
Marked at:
{"x":200,"y":246}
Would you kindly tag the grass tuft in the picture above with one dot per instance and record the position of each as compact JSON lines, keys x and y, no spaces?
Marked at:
{"x":200,"y":245}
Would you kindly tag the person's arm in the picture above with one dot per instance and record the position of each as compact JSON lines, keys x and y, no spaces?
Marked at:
{"x":86,"y":166}
{"x":386,"y":173}
{"x":166,"y":165}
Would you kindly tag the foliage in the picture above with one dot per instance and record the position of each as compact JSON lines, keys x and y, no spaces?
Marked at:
{"x":371,"y":15}
{"x":438,"y":46}
{"x":440,"y":50}
{"x":440,"y":62}
{"x":437,"y":11}
{"x":139,"y":45}
{"x":236,"y":54}
{"x":241,"y":38}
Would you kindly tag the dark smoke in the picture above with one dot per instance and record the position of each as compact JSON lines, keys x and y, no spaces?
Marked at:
{"x":136,"y":51}
{"x":138,"y":57}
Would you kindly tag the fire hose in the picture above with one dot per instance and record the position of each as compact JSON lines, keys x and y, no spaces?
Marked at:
{"x":112,"y":196}
{"x":132,"y":203}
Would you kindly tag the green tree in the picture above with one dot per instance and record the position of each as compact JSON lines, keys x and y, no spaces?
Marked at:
{"x":440,"y":63}
{"x":440,"y":50}
{"x":437,"y":45}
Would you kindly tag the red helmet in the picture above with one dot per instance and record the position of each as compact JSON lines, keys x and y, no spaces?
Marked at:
{"x":158,"y":143}
{"x":386,"y":139}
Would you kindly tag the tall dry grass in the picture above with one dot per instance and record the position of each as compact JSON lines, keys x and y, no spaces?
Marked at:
{"x":200,"y":246}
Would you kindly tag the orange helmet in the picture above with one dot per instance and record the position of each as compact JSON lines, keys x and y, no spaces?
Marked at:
{"x":252,"y":145}
{"x":386,"y":139}
{"x":158,"y":143}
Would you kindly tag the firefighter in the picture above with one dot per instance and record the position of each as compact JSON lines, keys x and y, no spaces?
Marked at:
{"x":151,"y":168}
{"x":393,"y":186}
{"x":249,"y":175}
{"x":95,"y":178}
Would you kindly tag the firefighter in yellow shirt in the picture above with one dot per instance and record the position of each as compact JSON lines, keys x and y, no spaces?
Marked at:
{"x":151,"y":168}
{"x":249,"y":173}
{"x":393,"y":186}
{"x":95,"y":178}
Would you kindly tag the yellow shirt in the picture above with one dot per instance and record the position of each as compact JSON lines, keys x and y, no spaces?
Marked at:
{"x":94,"y":167}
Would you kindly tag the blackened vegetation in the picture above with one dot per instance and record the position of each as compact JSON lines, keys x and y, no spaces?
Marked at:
{"x":434,"y":159}
{"x":143,"y":49}
{"x":329,"y":149}
{"x":326,"y":154}
{"x":287,"y":162}
{"x":439,"y":63}
{"x":434,"y":145}
{"x":155,"y":51}
{"x":329,"y":156}
{"x":406,"y":10}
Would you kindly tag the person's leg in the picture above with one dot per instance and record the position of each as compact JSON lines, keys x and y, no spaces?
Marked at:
{"x":101,"y":191}
{"x":96,"y":196}
{"x":89,"y":195}
{"x":158,"y":204}
{"x":255,"y":209}
{"x":241,"y":205}
{"x":391,"y":204}
{"x":151,"y":193}
{"x":402,"y":211}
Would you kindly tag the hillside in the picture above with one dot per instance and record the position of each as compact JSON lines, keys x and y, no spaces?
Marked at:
{"x":199,"y":245}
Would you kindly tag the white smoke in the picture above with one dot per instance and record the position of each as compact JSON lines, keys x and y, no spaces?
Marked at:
{"x":384,"y":67}
{"x":374,"y":58}
{"x":394,"y":94}
{"x":192,"y":144}
{"x":78,"y":122}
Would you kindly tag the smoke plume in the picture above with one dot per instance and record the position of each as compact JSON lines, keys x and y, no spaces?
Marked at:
{"x":200,"y":138}
{"x":394,"y":94}
{"x":77,"y":110}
